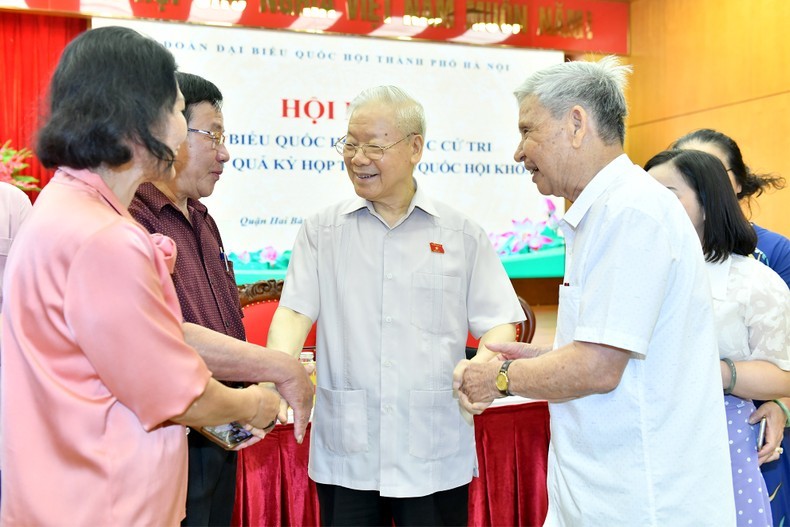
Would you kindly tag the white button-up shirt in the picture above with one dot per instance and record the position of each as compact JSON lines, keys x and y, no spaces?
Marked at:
{"x":654,"y":450}
{"x":394,"y":306}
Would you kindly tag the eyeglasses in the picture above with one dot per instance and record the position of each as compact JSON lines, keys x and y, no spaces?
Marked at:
{"x":217,"y":139}
{"x":372,"y":152}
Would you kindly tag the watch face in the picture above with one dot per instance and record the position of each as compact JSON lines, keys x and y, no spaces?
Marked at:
{"x":501,"y":381}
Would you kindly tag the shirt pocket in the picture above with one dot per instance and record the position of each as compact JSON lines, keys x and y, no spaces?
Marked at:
{"x":341,"y":420}
{"x":232,"y":286}
{"x":229,"y":272}
{"x":5,"y":246}
{"x":567,"y":314}
{"x":436,"y":303}
{"x":434,"y":421}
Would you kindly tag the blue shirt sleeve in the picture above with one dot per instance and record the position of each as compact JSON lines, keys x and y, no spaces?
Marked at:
{"x":776,"y":249}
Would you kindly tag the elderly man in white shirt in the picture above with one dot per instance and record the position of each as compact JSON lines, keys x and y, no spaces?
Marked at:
{"x":638,"y":435}
{"x":396,"y":280}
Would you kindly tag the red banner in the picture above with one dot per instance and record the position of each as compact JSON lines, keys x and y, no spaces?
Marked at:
{"x":598,"y":26}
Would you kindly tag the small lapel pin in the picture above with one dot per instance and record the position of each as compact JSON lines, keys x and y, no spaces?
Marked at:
{"x":437,"y":248}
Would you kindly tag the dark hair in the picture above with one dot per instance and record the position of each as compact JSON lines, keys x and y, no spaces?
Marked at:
{"x":111,"y":87}
{"x":725,"y":229}
{"x":197,"y":90}
{"x":751,"y":184}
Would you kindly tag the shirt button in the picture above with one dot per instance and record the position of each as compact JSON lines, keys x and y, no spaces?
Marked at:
{"x":389,"y":276}
{"x":388,"y":409}
{"x":388,"y":319}
{"x":387,"y":364}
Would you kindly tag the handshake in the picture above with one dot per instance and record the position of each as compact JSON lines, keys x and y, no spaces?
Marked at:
{"x":476,"y":383}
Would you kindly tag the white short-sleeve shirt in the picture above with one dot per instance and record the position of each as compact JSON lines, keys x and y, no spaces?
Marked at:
{"x":654,"y":450}
{"x":394,"y":307}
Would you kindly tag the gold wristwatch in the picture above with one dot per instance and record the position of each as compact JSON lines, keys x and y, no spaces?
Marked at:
{"x":502,"y":380}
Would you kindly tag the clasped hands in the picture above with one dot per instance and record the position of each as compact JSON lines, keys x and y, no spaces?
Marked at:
{"x":302,"y":408}
{"x":268,"y":401}
{"x":474,"y":381}
{"x":296,"y":391}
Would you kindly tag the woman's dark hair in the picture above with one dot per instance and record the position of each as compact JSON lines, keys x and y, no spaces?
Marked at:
{"x":112,"y":87}
{"x":725,"y":229}
{"x":751,"y":184}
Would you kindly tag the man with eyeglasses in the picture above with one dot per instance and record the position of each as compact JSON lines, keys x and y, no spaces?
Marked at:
{"x":395,"y":280}
{"x":206,"y":288}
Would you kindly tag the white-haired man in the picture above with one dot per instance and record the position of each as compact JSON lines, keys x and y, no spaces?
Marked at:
{"x":395,"y":280}
{"x":638,"y":433}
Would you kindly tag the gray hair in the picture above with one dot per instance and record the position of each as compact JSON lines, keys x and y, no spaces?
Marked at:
{"x":409,"y":114}
{"x":596,"y":86}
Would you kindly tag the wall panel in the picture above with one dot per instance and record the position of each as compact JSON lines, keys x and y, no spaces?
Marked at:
{"x":721,"y":64}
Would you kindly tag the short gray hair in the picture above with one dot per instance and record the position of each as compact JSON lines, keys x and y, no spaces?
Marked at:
{"x":409,"y":114}
{"x":596,"y":86}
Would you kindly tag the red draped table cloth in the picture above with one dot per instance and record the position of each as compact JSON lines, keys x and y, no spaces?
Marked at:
{"x":512,"y":451}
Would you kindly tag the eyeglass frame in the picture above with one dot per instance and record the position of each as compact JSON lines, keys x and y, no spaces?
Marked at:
{"x":340,"y":147}
{"x":217,"y":139}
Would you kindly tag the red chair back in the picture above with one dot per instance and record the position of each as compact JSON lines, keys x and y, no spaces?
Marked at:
{"x":259,"y":301}
{"x":257,"y":320}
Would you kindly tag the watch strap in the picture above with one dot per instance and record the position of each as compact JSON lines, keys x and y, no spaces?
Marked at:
{"x":503,"y":371}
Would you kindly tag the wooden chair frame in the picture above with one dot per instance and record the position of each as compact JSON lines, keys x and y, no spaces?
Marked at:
{"x":260,"y":291}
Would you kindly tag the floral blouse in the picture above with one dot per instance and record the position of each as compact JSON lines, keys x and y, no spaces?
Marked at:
{"x":752,"y":308}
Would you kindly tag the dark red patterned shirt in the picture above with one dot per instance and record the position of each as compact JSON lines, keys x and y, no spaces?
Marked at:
{"x":206,"y":290}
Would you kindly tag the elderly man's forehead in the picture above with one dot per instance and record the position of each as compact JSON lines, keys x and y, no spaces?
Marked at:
{"x":373,"y":116}
{"x":530,"y":108}
{"x":379,"y":109}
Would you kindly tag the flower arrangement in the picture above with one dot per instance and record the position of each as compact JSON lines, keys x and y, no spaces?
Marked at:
{"x":266,"y":258}
{"x":517,"y":248}
{"x":529,"y":236}
{"x":12,"y":163}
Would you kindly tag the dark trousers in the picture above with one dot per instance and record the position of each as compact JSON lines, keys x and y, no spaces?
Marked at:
{"x":212,"y":483}
{"x":342,"y":507}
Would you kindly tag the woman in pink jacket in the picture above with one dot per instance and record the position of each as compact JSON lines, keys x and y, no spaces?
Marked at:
{"x":98,"y":382}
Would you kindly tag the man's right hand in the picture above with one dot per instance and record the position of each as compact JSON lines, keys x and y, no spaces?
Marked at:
{"x":282,"y":416}
{"x":297,"y":390}
{"x":287,"y":333}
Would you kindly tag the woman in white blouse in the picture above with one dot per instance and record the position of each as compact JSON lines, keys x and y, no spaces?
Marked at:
{"x":752,"y":310}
